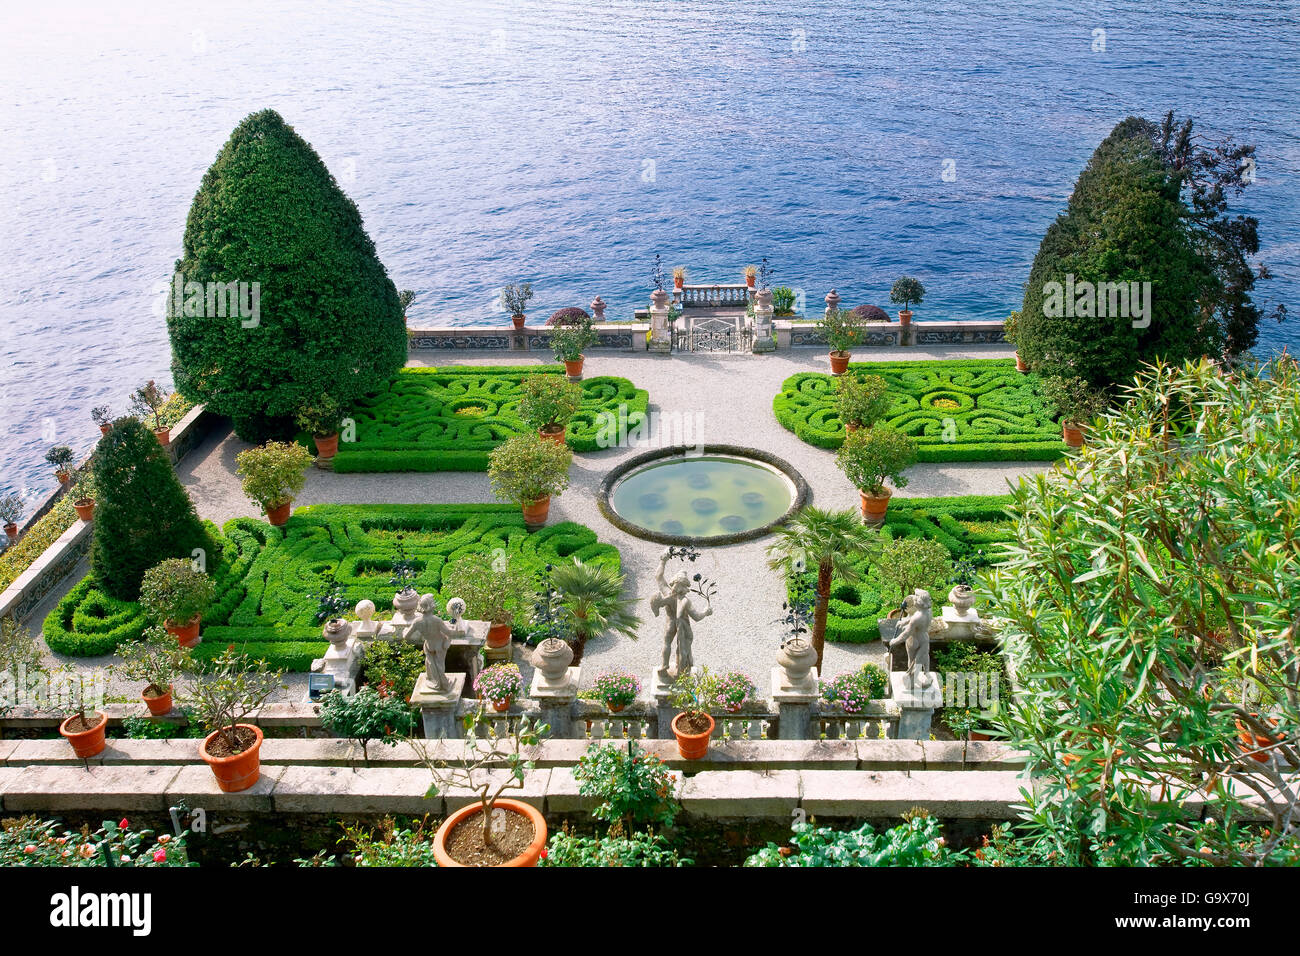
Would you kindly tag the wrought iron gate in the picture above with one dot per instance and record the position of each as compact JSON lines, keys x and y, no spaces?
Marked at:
{"x":711,"y":335}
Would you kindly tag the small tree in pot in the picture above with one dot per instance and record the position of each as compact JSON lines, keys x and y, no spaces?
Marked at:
{"x":493,"y":589}
{"x":273,"y":474}
{"x":322,"y":419}
{"x":529,"y":470}
{"x":870,"y":457}
{"x":226,"y":691}
{"x":693,"y":693}
{"x":547,"y":403}
{"x":175,"y":594}
{"x":12,"y":508}
{"x":60,"y":456}
{"x":906,"y":290}
{"x":367,"y":715}
{"x":102,"y":415}
{"x":1076,"y":402}
{"x":82,"y":494}
{"x":568,"y":343}
{"x":514,"y":299}
{"x":861,"y":402}
{"x":147,"y":402}
{"x":159,"y":662}
{"x":77,"y":693}
{"x":842,"y":330}
{"x":908,"y":563}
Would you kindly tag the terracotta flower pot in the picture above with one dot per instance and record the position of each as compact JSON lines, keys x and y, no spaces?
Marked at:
{"x":1253,"y":742}
{"x":840,"y":362}
{"x":1072,"y":435}
{"x":535,"y":512}
{"x":518,"y":319}
{"x":875,"y":506}
{"x":556,"y":436}
{"x":678,"y":283}
{"x":1020,"y":364}
{"x":501,"y":706}
{"x":237,"y":772}
{"x":327,"y":446}
{"x":851,"y":427}
{"x":278,"y":515}
{"x":750,"y":280}
{"x":615,"y":708}
{"x":187,"y":635}
{"x":465,"y":815}
{"x":85,"y":508}
{"x":574,"y":368}
{"x":692,"y":746}
{"x":86,"y":743}
{"x":905,"y":317}
{"x":162,"y":704}
{"x":63,"y":476}
{"x":11,"y":531}
{"x":164,"y":436}
{"x":498,"y":635}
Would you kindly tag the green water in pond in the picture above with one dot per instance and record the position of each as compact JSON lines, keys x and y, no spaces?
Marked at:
{"x":702,"y":497}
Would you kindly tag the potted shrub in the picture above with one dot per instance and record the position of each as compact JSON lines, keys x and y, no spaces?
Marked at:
{"x":83,"y":728}
{"x":528,"y":470}
{"x":102,"y":415}
{"x":494,"y":830}
{"x":514,"y":299}
{"x":159,"y":662}
{"x":175,"y":594}
{"x":907,"y":563}
{"x":568,"y":341}
{"x":617,"y":689}
{"x":906,"y":290}
{"x":369,"y":714}
{"x":861,"y":401}
{"x":590,"y":598}
{"x":60,"y":456}
{"x":1010,"y":328}
{"x":83,"y":495}
{"x":12,"y":507}
{"x":494,"y":590}
{"x":547,"y":402}
{"x":693,"y":693}
{"x":734,"y":690}
{"x":147,"y":401}
{"x":853,"y":690}
{"x":499,"y":685}
{"x":322,"y":419}
{"x":783,"y":302}
{"x":1076,"y":402}
{"x":226,"y":691}
{"x":751,"y":275}
{"x":273,"y":474}
{"x":843,"y":330}
{"x":871,"y":457}
{"x":679,"y":276}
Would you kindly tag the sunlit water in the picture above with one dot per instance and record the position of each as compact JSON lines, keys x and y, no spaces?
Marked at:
{"x":569,"y":142}
{"x":702,"y":497}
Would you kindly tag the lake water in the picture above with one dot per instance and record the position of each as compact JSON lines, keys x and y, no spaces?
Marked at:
{"x":569,"y":142}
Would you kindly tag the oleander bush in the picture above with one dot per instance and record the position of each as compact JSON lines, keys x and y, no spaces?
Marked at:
{"x":958,"y":410}
{"x":448,"y":419}
{"x":265,"y":582}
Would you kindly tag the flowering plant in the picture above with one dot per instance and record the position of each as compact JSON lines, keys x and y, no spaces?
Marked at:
{"x":733,"y":690}
{"x":851,"y":691}
{"x":28,"y":841}
{"x":500,"y":682}
{"x":617,"y":688}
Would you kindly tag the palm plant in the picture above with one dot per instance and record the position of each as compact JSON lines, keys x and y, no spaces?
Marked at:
{"x":591,"y":597}
{"x":830,"y":541}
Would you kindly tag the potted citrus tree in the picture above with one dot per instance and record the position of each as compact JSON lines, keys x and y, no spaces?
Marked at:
{"x":83,"y":495}
{"x":493,"y":830}
{"x":861,"y":401}
{"x":692,"y":693}
{"x":273,"y":474}
{"x":871,"y":457}
{"x":547,"y":402}
{"x":529,"y":471}
{"x":514,"y":299}
{"x":842,"y":330}
{"x":906,"y":290}
{"x":227,"y":690}
{"x":159,"y":662}
{"x":568,"y":341}
{"x":1076,"y":402}
{"x":60,"y":456}
{"x":1010,"y":329}
{"x":83,"y":728}
{"x":102,"y":415}
{"x":147,"y":401}
{"x":494,"y":590}
{"x":12,"y":507}
{"x":322,"y":419}
{"x":175,"y":594}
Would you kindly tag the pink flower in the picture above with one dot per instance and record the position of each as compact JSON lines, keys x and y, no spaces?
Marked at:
{"x":160,"y":855}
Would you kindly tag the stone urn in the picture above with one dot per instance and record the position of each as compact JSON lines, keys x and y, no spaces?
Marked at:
{"x":552,"y":659}
{"x":797,"y":658}
{"x":404,"y":603}
{"x":337,"y":631}
{"x":962,"y":597}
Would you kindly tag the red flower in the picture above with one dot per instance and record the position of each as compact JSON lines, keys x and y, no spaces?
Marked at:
{"x":125,"y":823}
{"x":160,"y":855}
{"x":543,"y":856}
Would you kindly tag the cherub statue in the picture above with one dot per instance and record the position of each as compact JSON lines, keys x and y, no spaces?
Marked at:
{"x":436,"y":635}
{"x":674,"y":597}
{"x":914,"y":635}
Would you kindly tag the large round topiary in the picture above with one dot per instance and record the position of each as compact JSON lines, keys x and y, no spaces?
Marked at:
{"x":871,"y":313}
{"x":142,"y":513}
{"x":570,"y":315}
{"x":326,"y":318}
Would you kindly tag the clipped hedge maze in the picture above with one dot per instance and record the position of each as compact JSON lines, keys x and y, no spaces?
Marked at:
{"x":957,"y":410}
{"x":448,"y":419}
{"x":267,"y":580}
{"x":963,"y":525}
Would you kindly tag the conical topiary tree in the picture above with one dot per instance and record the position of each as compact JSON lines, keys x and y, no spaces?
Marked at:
{"x":142,"y":513}
{"x":323,"y":318}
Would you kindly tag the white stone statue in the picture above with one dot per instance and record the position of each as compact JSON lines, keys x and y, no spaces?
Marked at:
{"x":914,"y":635}
{"x":436,"y":635}
{"x":674,"y":597}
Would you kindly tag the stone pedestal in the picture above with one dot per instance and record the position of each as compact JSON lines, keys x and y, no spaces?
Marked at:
{"x":555,"y":701}
{"x":661,"y":686}
{"x":959,"y":626}
{"x":661,"y":336}
{"x":916,"y":705}
{"x":764,"y":340}
{"x":438,"y":708}
{"x":343,"y":658}
{"x":794,"y":703}
{"x":597,"y":310}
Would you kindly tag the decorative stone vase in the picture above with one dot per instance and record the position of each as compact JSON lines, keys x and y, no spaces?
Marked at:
{"x":86,"y":743}
{"x":874,"y":506}
{"x":553,"y":657}
{"x":239,"y":771}
{"x":465,"y":816}
{"x":85,"y":508}
{"x":962,"y":598}
{"x":278,"y":515}
{"x":327,"y":446}
{"x":337,"y":631}
{"x":159,"y":705}
{"x":840,"y":362}
{"x":404,"y":602}
{"x":797,"y":658}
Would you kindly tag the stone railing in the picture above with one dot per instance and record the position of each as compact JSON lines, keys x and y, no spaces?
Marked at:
{"x":610,"y":336}
{"x":730,"y":297}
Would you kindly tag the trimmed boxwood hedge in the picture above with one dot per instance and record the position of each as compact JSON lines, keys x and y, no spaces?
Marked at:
{"x":962,"y":525}
{"x":418,"y":421}
{"x":266,"y":578}
{"x":999,"y":414}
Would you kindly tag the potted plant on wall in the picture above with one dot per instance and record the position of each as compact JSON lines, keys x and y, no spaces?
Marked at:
{"x":529,"y":471}
{"x":735,"y":689}
{"x":842,"y":330}
{"x":906,"y":290}
{"x":1010,"y":328}
{"x":568,"y":342}
{"x":617,"y":689}
{"x":175,"y":594}
{"x":273,"y":474}
{"x":493,"y":589}
{"x":322,"y":419}
{"x":147,"y":401}
{"x":871,"y":457}
{"x":590,"y":597}
{"x":861,"y":401}
{"x":514,"y":299}
{"x":679,"y":276}
{"x":1076,"y":402}
{"x":12,"y":508}
{"x":751,"y":275}
{"x":103,"y":417}
{"x":499,"y":685}
{"x":84,"y":727}
{"x":83,"y":495}
{"x":159,"y":662}
{"x":547,"y":403}
{"x":227,"y":690}
{"x":693,"y":693}
{"x":60,"y":456}
{"x":493,"y":830}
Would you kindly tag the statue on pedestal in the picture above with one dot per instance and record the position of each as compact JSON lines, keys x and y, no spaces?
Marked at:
{"x":436,"y":635}
{"x":914,"y":635}
{"x":674,"y":597}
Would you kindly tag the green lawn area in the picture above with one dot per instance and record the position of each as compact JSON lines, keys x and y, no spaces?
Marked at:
{"x":958,"y":410}
{"x":266,"y":578}
{"x":448,"y":419}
